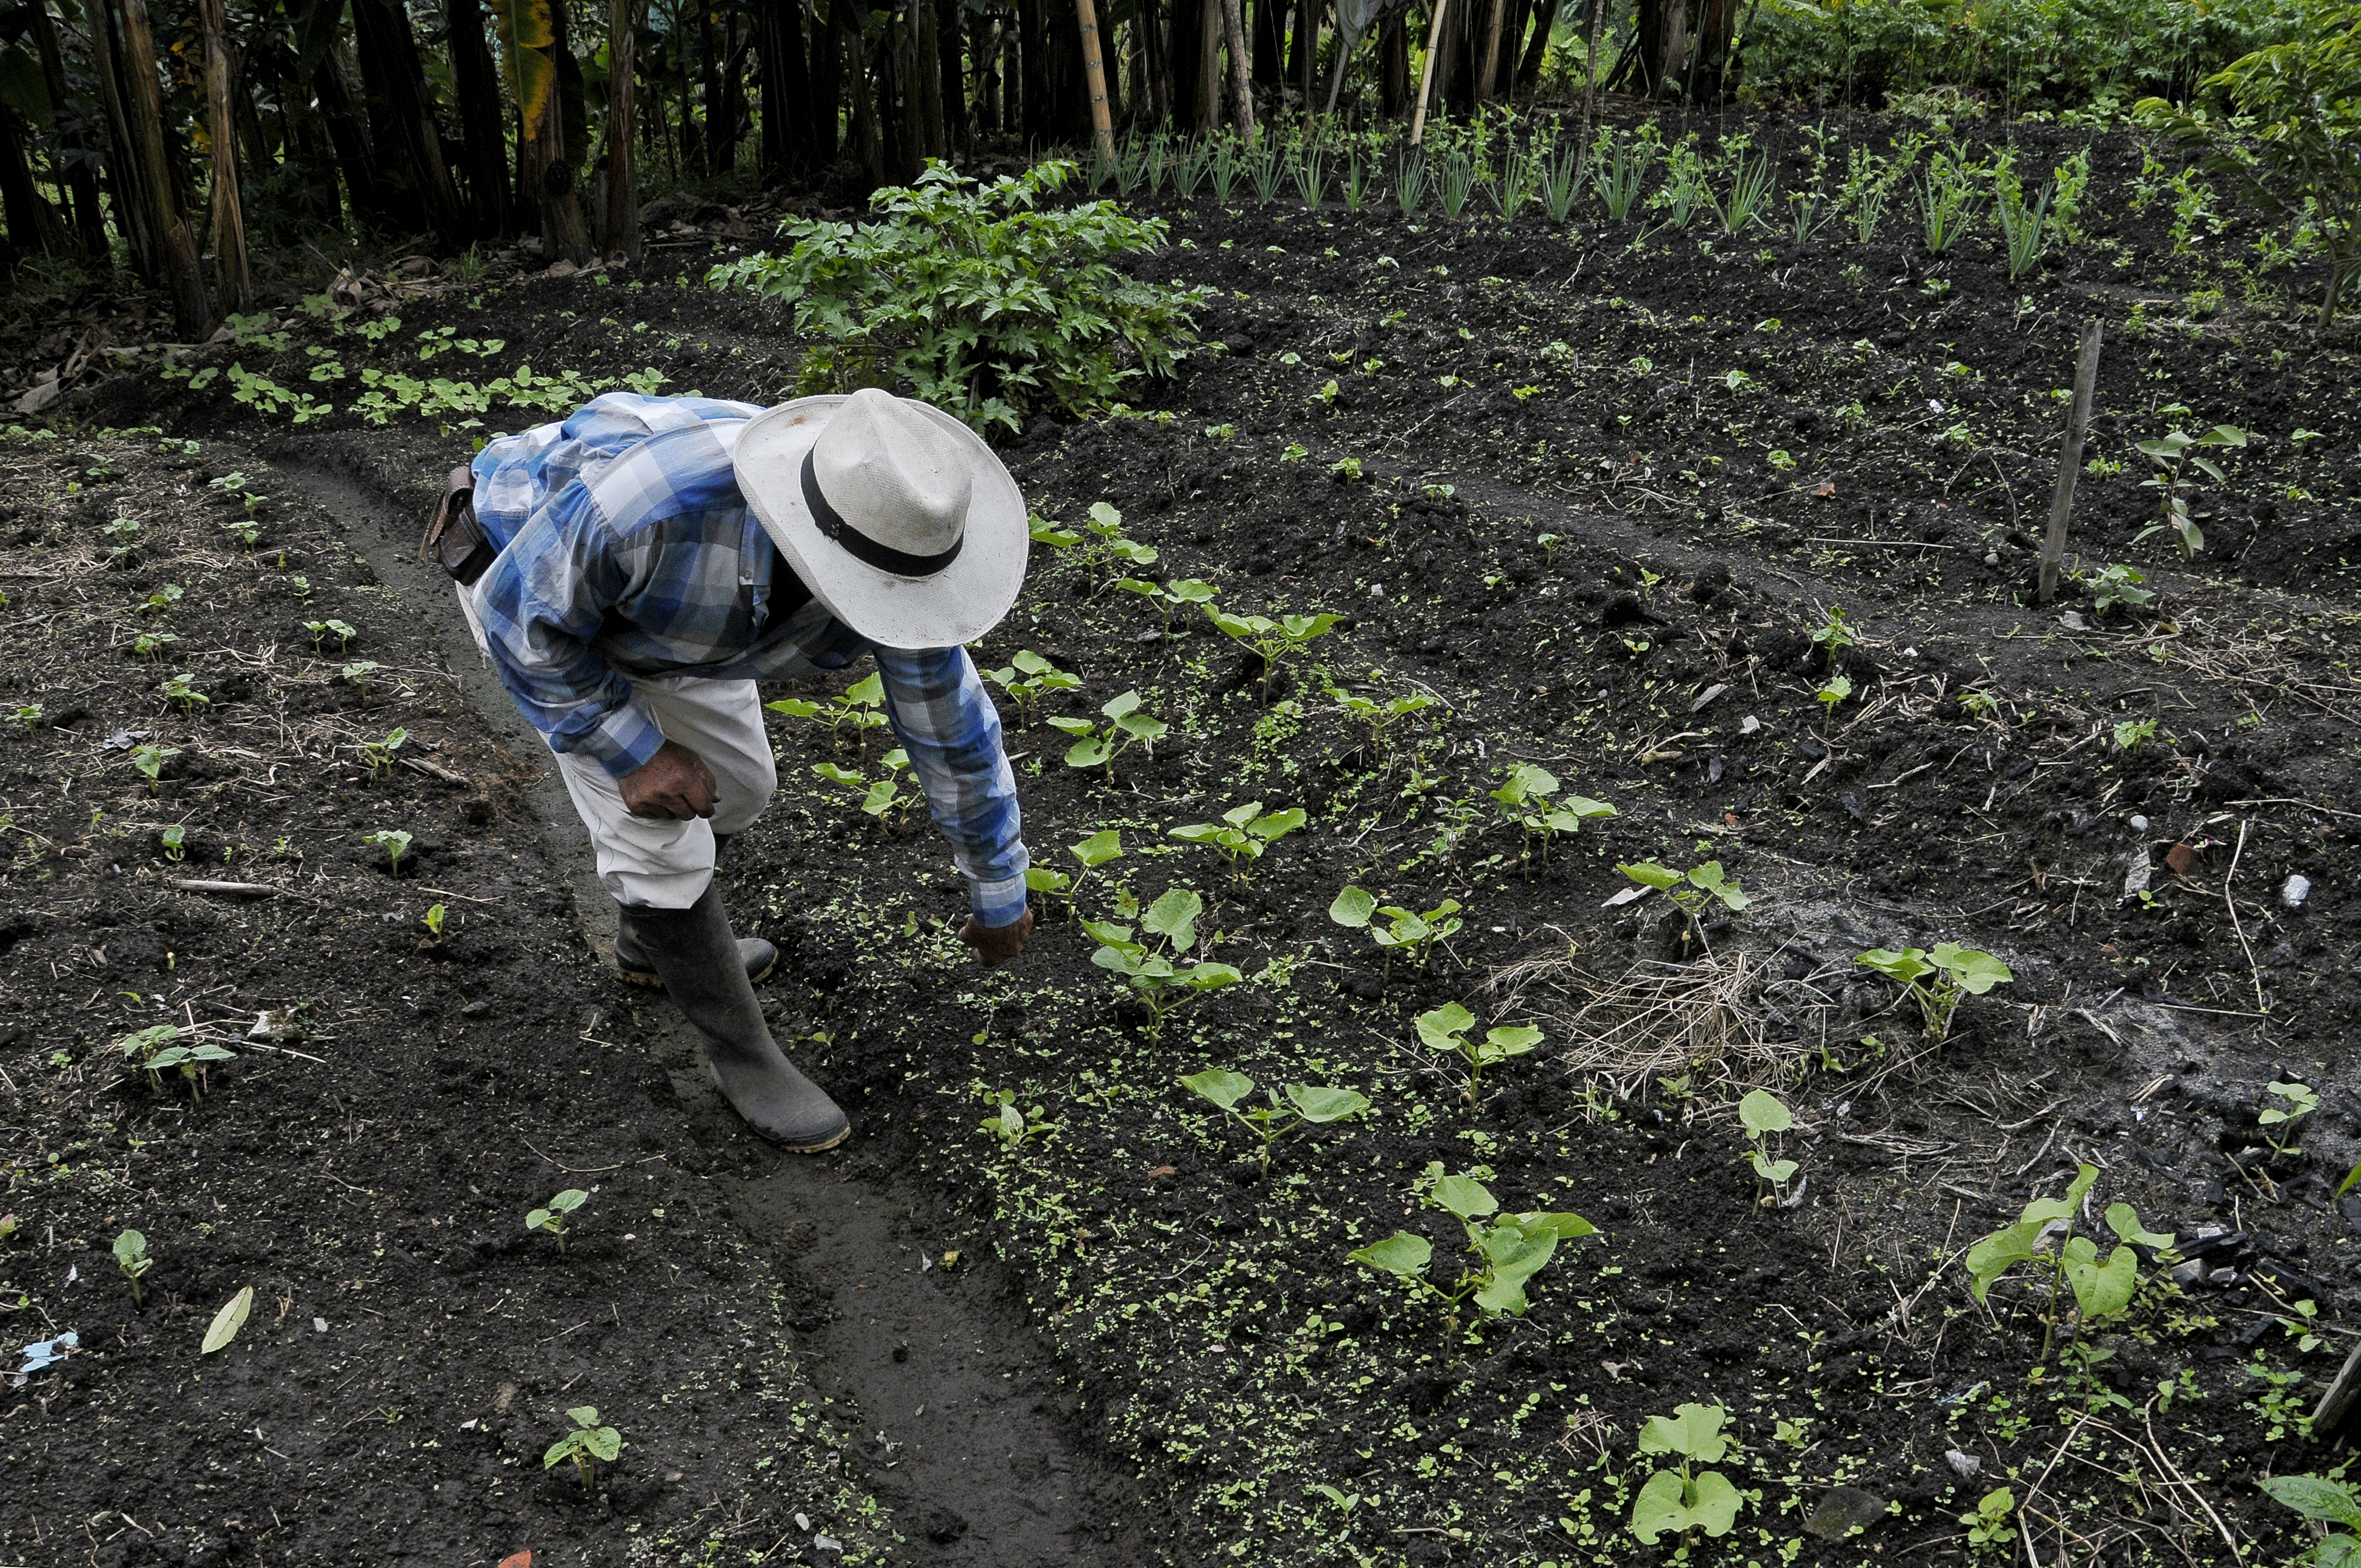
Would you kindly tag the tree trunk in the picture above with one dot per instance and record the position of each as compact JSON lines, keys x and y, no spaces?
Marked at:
{"x":1307,"y":52}
{"x":1528,"y":71}
{"x":1393,"y":74}
{"x":230,"y":274}
{"x":352,"y":148}
{"x":485,"y":143}
{"x":1193,"y":109}
{"x":828,"y":75}
{"x":1233,"y":33}
{"x":180,"y":272}
{"x":90,"y":223}
{"x":33,"y":226}
{"x":709,"y":77}
{"x":950,"y":49}
{"x":122,"y":169}
{"x":1269,"y":26}
{"x":868,"y":142}
{"x":543,"y":170}
{"x":1487,"y":51}
{"x":1036,"y":106}
{"x":622,"y":220}
{"x":925,"y":85}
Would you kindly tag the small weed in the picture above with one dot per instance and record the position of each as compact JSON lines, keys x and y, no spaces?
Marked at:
{"x":2297,"y":1100}
{"x":555,"y":1216}
{"x":2326,"y":1502}
{"x":1989,"y":1530}
{"x":2132,"y":733}
{"x":1012,"y":1127}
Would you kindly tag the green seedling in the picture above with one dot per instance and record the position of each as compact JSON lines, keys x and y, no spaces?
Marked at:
{"x":2132,"y":733}
{"x":358,"y":671}
{"x":555,"y":1217}
{"x":2279,"y":1121}
{"x":1691,"y":891}
{"x":588,"y":1440}
{"x":1170,"y":597}
{"x":860,"y":708}
{"x":29,"y":716}
{"x":1764,"y":1114}
{"x":379,"y":754}
{"x":179,"y":689}
{"x":882,"y":795}
{"x":321,"y":630}
{"x":1113,"y":551}
{"x":150,"y":760}
{"x":1242,"y":834}
{"x":394,"y":842}
{"x":1126,"y":726}
{"x":432,"y":921}
{"x":131,"y":1257}
{"x":1027,"y":679}
{"x":1939,"y":979}
{"x":1305,"y":1106}
{"x":124,"y":531}
{"x":1527,"y":797}
{"x":1094,"y":851}
{"x":157,"y":1047}
{"x":1273,"y":642}
{"x":2101,"y":1290}
{"x":1988,"y":1529}
{"x":1165,"y":979}
{"x":175,"y":840}
{"x":1044,"y":531}
{"x":2324,"y":1502}
{"x":151,"y":644}
{"x":1675,"y":1502}
{"x":1418,"y":930}
{"x":2174,"y":455}
{"x":1381,"y":716}
{"x":1832,"y":637}
{"x":2115,"y":587}
{"x":1445,"y":1030}
{"x":162,"y":600}
{"x":1830,"y":692}
{"x":1509,"y":1251}
{"x":1012,"y":1127}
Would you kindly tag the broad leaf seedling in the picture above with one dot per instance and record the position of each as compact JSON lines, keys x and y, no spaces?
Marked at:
{"x":156,"y":1047}
{"x":1988,"y":1526}
{"x":131,"y":1257}
{"x":2324,"y":1502}
{"x":1509,"y":1251}
{"x":1418,"y":930}
{"x":554,"y":1218}
{"x":1164,"y":979}
{"x":2173,"y":454}
{"x":1027,"y":679}
{"x":2102,"y":1290}
{"x":1126,"y":726}
{"x":1528,"y":797}
{"x":1242,"y":834}
{"x":1939,"y":979}
{"x":1305,"y":1106}
{"x":151,"y":759}
{"x":2278,"y":1122}
{"x":1444,"y":1030}
{"x":1675,"y":1502}
{"x":1764,"y":1114}
{"x":1012,"y":1127}
{"x":1273,"y":642}
{"x":1691,"y":891}
{"x":394,"y":842}
{"x":1094,"y":851}
{"x":1170,"y":597}
{"x":861,"y":708}
{"x":588,"y":1440}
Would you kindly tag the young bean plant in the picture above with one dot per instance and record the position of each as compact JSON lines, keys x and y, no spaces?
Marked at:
{"x":1126,"y":726}
{"x":588,"y":1440}
{"x":1094,"y":851}
{"x":1444,"y":1031}
{"x":157,"y":1047}
{"x":1170,"y":597}
{"x":1357,"y":909}
{"x":1163,"y":977}
{"x":860,"y":708}
{"x":1509,"y":1250}
{"x":1691,"y":891}
{"x":555,"y":1218}
{"x":883,"y":794}
{"x":1243,"y":834}
{"x":1012,"y":1127}
{"x":1938,"y":979}
{"x":1273,"y":642}
{"x":1764,"y":1114}
{"x":131,"y":1257}
{"x":394,"y":842}
{"x":2101,"y":1290}
{"x":1528,"y":797}
{"x":2297,"y":1102}
{"x":1675,"y":1502}
{"x":1305,"y":1106}
{"x":1381,"y":718}
{"x":1027,"y":679}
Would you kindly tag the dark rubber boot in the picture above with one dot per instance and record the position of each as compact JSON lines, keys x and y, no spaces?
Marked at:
{"x":632,"y":967}
{"x":693,"y":951}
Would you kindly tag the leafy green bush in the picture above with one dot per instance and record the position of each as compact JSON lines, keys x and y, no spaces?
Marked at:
{"x":975,"y":299}
{"x":2285,"y":123}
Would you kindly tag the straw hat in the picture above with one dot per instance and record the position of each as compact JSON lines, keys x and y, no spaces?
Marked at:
{"x":899,"y":518}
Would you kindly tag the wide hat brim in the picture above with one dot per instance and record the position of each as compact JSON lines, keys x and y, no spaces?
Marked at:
{"x":956,"y":605}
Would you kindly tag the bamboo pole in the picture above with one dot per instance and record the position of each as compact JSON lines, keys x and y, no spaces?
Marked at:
{"x":1094,"y":79}
{"x":2070,"y":461}
{"x":1426,"y":72}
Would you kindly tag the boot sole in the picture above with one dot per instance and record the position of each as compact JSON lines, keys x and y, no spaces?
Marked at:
{"x":648,"y":980}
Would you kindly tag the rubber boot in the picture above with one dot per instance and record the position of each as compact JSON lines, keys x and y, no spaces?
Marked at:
{"x":632,"y":967}
{"x":693,"y":951}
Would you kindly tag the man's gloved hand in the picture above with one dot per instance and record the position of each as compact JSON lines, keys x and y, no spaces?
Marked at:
{"x":998,"y":944}
{"x":674,"y":784}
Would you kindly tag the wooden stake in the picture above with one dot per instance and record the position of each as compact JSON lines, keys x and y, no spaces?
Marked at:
{"x":1095,"y":78}
{"x":1426,"y":72}
{"x":2070,"y":461}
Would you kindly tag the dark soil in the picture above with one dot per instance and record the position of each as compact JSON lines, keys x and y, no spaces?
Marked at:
{"x":1618,"y":576}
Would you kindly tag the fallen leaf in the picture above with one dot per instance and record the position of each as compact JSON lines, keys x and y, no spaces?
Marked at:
{"x":228,"y":1321}
{"x":1825,"y":488}
{"x":518,"y":1560}
{"x":2179,"y":858}
{"x":1163,"y":1171}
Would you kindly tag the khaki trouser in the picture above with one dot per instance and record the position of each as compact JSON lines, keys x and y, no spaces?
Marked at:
{"x":654,"y":862}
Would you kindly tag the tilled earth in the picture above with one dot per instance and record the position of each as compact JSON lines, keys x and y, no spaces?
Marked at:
{"x":1609,"y":488}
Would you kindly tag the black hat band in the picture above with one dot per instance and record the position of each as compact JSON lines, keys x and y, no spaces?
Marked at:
{"x":862,"y":548}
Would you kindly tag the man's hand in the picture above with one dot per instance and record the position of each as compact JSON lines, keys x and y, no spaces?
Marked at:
{"x":674,"y":784}
{"x":998,"y":944}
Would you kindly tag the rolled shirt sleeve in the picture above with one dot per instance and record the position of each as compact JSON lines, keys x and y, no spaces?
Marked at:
{"x":946,"y":721}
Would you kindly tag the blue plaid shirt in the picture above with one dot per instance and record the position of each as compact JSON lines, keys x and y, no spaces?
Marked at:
{"x":626,"y":549}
